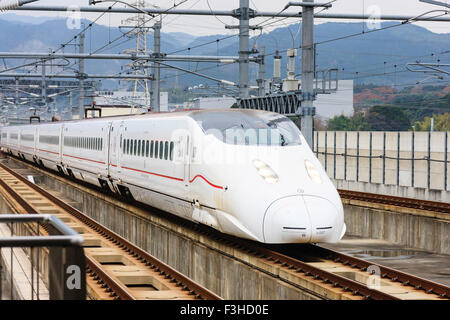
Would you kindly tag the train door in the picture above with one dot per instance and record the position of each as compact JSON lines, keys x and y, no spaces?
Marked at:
{"x":187,"y":159}
{"x":115,"y":142}
{"x":61,"y":142}
{"x":36,"y":132}
{"x":120,"y":137}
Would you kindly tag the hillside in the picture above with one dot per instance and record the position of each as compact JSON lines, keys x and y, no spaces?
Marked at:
{"x":363,"y":54}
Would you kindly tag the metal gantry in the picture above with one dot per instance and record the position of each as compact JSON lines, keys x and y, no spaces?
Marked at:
{"x":301,"y":99}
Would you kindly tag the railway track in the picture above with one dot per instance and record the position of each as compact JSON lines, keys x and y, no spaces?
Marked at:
{"x":116,"y":269}
{"x":435,"y":206}
{"x":332,"y":275}
{"x":354,"y":277}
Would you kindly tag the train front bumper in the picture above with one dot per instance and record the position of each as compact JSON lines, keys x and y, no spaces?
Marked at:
{"x":303,"y":219}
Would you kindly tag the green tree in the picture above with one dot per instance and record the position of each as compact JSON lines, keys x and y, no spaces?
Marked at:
{"x":357,"y":122}
{"x":388,"y":118}
{"x":441,"y":123}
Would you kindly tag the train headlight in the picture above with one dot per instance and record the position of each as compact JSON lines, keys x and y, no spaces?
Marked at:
{"x":312,"y":171}
{"x":265,"y":171}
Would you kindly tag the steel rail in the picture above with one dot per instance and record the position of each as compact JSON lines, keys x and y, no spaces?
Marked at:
{"x":393,"y":275}
{"x":165,"y":270}
{"x":435,"y":206}
{"x":291,"y":263}
{"x":103,"y":277}
{"x":346,"y":284}
{"x":95,"y":270}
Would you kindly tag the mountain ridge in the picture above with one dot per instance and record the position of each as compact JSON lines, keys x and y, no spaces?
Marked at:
{"x":359,"y":57}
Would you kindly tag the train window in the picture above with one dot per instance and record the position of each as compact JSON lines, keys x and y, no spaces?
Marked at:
{"x":134,"y":147}
{"x":151,"y":148}
{"x":101,"y":144}
{"x":156,"y":149}
{"x":143,"y":148}
{"x":146,"y":148}
{"x":171,"y":150}
{"x":249,"y":127}
{"x":161,"y":149}
{"x":166,"y":150}
{"x":139,"y":148}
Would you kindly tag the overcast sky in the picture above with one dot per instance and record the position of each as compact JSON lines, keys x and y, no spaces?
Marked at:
{"x":210,"y":25}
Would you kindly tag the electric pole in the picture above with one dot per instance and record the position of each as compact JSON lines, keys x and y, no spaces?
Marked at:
{"x":307,"y":85}
{"x":244,"y":16}
{"x":81,"y":77}
{"x":156,"y":68}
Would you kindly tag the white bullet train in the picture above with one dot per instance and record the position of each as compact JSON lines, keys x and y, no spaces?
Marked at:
{"x":247,"y":173}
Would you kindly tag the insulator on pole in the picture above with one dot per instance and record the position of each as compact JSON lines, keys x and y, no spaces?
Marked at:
{"x":9,"y":4}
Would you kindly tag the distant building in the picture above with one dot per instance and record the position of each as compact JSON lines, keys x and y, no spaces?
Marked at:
{"x":126,"y":99}
{"x":337,"y":103}
{"x":214,"y":102}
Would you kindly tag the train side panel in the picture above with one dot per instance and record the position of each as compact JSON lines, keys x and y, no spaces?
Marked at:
{"x":84,"y":151}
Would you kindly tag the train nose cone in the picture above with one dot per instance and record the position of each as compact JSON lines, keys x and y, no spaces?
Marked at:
{"x":327,"y":221}
{"x":300,"y":219}
{"x":287,"y":221}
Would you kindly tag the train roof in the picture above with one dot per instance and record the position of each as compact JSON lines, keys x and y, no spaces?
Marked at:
{"x":188,"y":113}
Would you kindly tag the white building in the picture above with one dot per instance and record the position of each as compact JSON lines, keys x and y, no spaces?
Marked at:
{"x":337,"y":103}
{"x":127,"y":99}
{"x":214,"y":102}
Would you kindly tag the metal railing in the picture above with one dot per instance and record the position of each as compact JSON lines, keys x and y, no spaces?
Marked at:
{"x":349,"y":157}
{"x":39,"y":267}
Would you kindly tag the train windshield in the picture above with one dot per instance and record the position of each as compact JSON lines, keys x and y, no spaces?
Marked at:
{"x":249,"y":128}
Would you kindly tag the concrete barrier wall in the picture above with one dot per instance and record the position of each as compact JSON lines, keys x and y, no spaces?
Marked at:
{"x":175,"y":245}
{"x":408,"y":159}
{"x":409,"y":230}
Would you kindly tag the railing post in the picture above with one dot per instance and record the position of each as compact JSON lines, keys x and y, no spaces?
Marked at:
{"x":357,"y":156}
{"x":345,"y":156}
{"x":317,"y":144}
{"x":370,"y":157}
{"x":412,"y":158}
{"x":326,"y":151}
{"x":384,"y":157}
{"x":334,"y":156}
{"x":429,"y":161}
{"x":67,"y":273}
{"x":445,"y":160}
{"x":398,"y":158}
